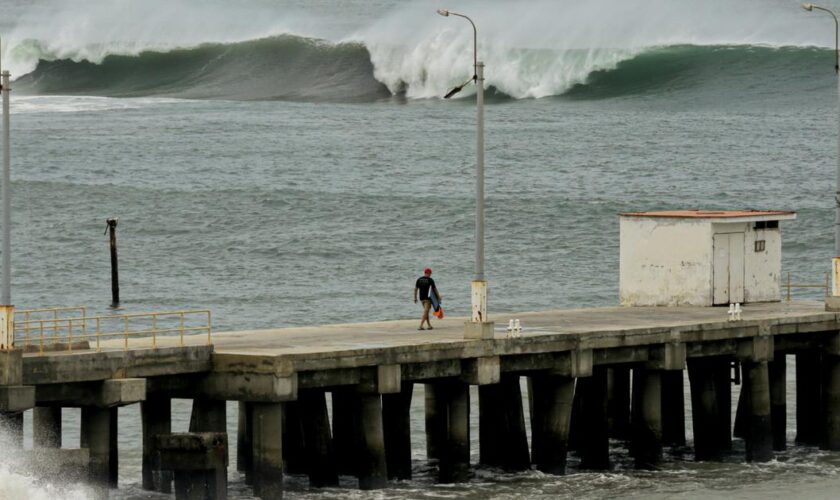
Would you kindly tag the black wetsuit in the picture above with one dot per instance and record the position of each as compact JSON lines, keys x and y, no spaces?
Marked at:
{"x":424,"y":283}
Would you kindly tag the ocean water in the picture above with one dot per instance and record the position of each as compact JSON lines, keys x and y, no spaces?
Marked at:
{"x":291,"y":162}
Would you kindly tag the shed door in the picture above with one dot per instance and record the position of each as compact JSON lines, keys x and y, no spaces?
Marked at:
{"x":728,"y":271}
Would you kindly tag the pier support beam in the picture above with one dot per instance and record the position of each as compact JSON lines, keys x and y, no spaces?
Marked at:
{"x":759,"y":438}
{"x":503,"y":441}
{"x":267,"y":447}
{"x":12,"y":423}
{"x":809,"y":406}
{"x":594,"y":448}
{"x":320,"y":457}
{"x":244,"y":440}
{"x":396,"y":422}
{"x":710,"y":418}
{"x":46,"y":426}
{"x":99,"y":434}
{"x":778,"y":401}
{"x":647,"y":418}
{"x":551,"y":398}
{"x":156,"y":414}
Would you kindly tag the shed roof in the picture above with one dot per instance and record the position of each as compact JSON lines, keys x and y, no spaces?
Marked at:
{"x":718,"y":214}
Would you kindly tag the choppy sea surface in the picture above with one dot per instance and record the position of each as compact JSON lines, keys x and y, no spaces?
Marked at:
{"x":289,"y":163}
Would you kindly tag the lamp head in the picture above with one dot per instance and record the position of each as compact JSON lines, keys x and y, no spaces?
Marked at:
{"x":808,"y":6}
{"x":443,"y":12}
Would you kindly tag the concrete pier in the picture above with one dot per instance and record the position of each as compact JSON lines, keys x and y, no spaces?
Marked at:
{"x":503,"y":441}
{"x":267,"y":445}
{"x":647,"y":426}
{"x":99,"y":435}
{"x":372,"y":469}
{"x":396,"y":422}
{"x":809,"y":397}
{"x":594,"y":450}
{"x":673,"y":408}
{"x":244,"y":443}
{"x":320,"y":456}
{"x":454,"y":462}
{"x":777,"y":371}
{"x":759,"y":437}
{"x":573,"y":359}
{"x":552,"y":397}
{"x":618,"y":403}
{"x":156,"y":415}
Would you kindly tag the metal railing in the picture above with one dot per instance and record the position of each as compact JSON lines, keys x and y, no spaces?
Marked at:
{"x":67,"y":333}
{"x":790,"y":285}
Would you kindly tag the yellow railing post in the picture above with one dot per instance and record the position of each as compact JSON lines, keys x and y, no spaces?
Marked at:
{"x":182,"y":329}
{"x":98,"y":335}
{"x":70,"y":335}
{"x":788,"y":287}
{"x":41,"y":348}
{"x":154,"y":331}
{"x":126,"y":333}
{"x":209,"y":329}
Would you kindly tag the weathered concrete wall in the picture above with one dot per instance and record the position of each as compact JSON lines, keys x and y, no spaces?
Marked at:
{"x":665,"y":261}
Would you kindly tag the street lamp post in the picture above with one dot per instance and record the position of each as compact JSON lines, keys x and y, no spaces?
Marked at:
{"x":478,"y":326}
{"x":833,"y":301}
{"x":7,"y":310}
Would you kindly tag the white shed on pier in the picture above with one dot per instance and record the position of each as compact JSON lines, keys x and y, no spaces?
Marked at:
{"x":700,"y":257}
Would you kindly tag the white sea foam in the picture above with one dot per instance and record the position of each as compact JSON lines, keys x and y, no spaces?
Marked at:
{"x":81,"y":104}
{"x":19,"y":480}
{"x":415,"y":50}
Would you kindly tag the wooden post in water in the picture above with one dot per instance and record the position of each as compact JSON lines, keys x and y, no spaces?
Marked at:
{"x":115,"y":275}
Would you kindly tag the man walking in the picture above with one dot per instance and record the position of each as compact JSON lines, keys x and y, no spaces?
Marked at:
{"x":426,"y":285}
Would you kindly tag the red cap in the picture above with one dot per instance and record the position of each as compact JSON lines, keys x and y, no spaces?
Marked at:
{"x":428,"y":270}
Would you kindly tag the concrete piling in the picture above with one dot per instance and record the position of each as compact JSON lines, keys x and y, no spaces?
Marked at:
{"x":503,"y":441}
{"x":647,"y":421}
{"x":809,"y":398}
{"x":454,"y":462}
{"x":267,"y":447}
{"x":156,"y":415}
{"x":777,"y":371}
{"x":320,"y":457}
{"x":372,"y":468}
{"x":46,"y":426}
{"x":707,"y":415}
{"x":618,"y":403}
{"x":551,"y":398}
{"x":396,"y":421}
{"x":244,"y":442}
{"x":198,"y":461}
{"x":99,"y":435}
{"x":435,"y":421}
{"x":831,"y":401}
{"x":594,"y":450}
{"x":344,"y":426}
{"x":759,"y":439}
{"x":673,"y":408}
{"x":294,"y":448}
